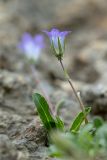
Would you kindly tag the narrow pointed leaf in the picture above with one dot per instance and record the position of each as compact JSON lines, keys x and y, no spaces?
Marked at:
{"x":79,"y":119}
{"x":59,"y":106}
{"x":43,"y":111}
{"x":59,"y":123}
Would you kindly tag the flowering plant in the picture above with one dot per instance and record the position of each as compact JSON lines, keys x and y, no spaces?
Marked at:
{"x":32,"y":46}
{"x":89,"y":140}
{"x":57,"y":40}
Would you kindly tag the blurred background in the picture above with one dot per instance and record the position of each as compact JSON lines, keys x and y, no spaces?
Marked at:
{"x":85,"y":59}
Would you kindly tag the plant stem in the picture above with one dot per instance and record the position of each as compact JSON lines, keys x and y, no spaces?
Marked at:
{"x":41,"y":88}
{"x":74,"y":90}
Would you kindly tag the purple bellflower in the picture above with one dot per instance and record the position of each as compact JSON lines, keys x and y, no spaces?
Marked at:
{"x":57,"y":40}
{"x":32,"y":46}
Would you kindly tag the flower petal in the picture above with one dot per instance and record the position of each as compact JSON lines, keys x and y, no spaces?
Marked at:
{"x":54,"y":34}
{"x":62,"y":36}
{"x":64,"y":33}
{"x":39,"y":40}
{"x":47,"y":33}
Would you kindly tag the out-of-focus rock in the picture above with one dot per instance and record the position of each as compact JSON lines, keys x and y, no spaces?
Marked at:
{"x":8,"y":150}
{"x":96,"y":97}
{"x":89,"y":64}
{"x":47,"y":13}
{"x":15,"y":84}
{"x":16,"y":16}
{"x":31,"y":137}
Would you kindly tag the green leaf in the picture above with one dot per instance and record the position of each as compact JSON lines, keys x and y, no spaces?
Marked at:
{"x":59,"y":106}
{"x":43,"y":111}
{"x":59,"y":123}
{"x":98,"y":122}
{"x":54,"y":151}
{"x":79,"y":119}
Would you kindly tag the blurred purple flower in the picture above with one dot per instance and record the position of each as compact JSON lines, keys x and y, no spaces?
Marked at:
{"x":57,"y":40}
{"x":32,"y":46}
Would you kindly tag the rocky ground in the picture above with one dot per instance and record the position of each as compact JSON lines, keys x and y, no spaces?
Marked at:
{"x":22,"y":136}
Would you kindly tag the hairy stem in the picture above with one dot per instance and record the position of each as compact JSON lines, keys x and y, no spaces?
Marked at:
{"x":74,"y":90}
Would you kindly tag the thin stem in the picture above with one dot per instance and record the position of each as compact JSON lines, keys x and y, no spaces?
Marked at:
{"x":41,"y":88}
{"x":74,"y":90}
